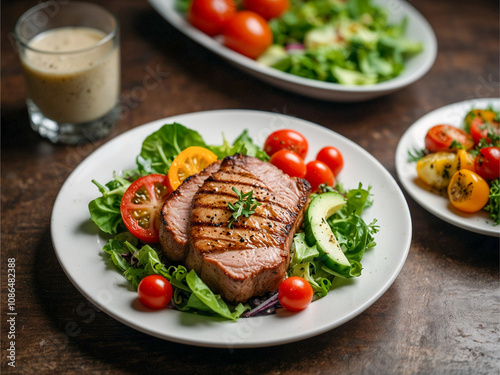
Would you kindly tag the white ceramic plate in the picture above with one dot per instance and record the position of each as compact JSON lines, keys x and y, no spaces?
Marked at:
{"x":418,"y":29}
{"x":436,"y":204}
{"x":78,"y":244}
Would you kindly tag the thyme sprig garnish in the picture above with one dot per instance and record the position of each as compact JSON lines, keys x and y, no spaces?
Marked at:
{"x":244,"y":206}
{"x":415,"y":154}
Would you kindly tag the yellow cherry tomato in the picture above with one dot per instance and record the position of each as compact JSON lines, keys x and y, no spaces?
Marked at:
{"x":465,"y":160}
{"x":467,"y":191}
{"x":189,"y":162}
{"x":485,"y":114}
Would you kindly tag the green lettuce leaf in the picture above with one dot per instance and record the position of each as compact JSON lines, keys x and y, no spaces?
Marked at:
{"x":347,"y":42}
{"x":243,"y":144}
{"x":203,"y":299}
{"x":105,"y":210}
{"x":161,"y":147}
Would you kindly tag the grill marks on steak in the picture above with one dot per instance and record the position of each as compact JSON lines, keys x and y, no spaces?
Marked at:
{"x":175,"y":215}
{"x":252,"y":257}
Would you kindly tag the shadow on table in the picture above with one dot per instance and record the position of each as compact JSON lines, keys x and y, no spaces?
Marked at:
{"x":16,"y":131}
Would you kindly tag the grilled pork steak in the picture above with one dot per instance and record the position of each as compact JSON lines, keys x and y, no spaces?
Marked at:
{"x":251,"y":257}
{"x":175,"y":215}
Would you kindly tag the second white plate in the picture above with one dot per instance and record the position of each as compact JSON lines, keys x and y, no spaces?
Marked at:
{"x":436,"y":204}
{"x":417,"y":29}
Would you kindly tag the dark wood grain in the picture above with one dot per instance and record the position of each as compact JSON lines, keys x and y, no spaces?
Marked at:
{"x":441,"y":315}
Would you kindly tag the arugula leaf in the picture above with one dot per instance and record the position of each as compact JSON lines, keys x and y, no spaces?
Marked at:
{"x":243,"y":144}
{"x":105,"y":210}
{"x":357,"y":201}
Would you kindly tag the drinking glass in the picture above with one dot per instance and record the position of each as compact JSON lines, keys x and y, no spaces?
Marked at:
{"x":70,"y":56}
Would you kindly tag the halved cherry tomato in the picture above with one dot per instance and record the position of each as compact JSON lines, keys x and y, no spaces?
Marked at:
{"x":467,"y":191}
{"x":487,"y":163}
{"x":155,"y":292}
{"x":318,"y":173}
{"x":189,"y":162}
{"x":286,"y":138}
{"x":295,"y":293}
{"x":267,"y":8}
{"x":141,"y":205}
{"x":486,"y":115}
{"x":289,"y":162}
{"x":480,"y":129}
{"x":210,"y":16}
{"x":331,"y":157}
{"x":441,"y":137}
{"x":247,"y":33}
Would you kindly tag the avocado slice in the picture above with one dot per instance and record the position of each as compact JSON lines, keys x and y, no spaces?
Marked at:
{"x":319,"y":233}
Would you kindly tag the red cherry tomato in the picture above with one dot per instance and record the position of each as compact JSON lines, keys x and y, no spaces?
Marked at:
{"x":289,"y":162}
{"x":286,"y":138}
{"x":331,"y":157}
{"x":441,"y":137}
{"x":210,"y":16}
{"x":295,"y":293}
{"x":267,"y":8}
{"x":480,"y":129}
{"x":318,"y":173}
{"x":141,"y":205}
{"x":247,"y":33}
{"x":487,"y":163}
{"x":155,"y":291}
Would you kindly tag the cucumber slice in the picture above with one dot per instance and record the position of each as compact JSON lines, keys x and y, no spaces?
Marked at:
{"x":319,"y":233}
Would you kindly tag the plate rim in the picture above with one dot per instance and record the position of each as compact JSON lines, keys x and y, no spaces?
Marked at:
{"x":208,"y":343}
{"x":166,"y":8}
{"x":401,"y":151}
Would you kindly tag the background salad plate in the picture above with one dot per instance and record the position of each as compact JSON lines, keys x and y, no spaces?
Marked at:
{"x":436,"y":204}
{"x":418,"y":29}
{"x":78,"y":243}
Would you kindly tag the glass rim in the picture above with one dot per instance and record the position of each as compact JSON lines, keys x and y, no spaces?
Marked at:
{"x":25,"y":42}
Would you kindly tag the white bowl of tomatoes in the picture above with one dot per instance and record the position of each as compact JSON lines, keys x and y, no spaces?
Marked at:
{"x":240,"y":35}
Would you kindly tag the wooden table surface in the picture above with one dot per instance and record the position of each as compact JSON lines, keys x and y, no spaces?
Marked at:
{"x":440,"y":316}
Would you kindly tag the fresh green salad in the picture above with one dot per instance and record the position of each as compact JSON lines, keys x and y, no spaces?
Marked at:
{"x":310,"y":259}
{"x":347,"y":42}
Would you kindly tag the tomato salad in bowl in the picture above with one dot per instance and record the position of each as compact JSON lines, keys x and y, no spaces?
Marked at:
{"x":129,"y":211}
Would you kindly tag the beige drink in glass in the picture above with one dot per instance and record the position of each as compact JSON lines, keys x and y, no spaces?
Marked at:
{"x":72,"y":71}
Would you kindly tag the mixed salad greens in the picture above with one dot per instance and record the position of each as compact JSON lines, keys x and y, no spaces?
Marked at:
{"x":347,"y":42}
{"x":137,"y":260}
{"x":350,"y":42}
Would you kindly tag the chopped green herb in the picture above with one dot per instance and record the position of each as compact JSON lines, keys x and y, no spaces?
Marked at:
{"x":244,"y":206}
{"x":415,"y":155}
{"x":455,"y":145}
{"x":493,"y":205}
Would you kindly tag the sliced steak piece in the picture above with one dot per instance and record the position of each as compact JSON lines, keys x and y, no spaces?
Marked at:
{"x":251,"y":257}
{"x":175,"y":215}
